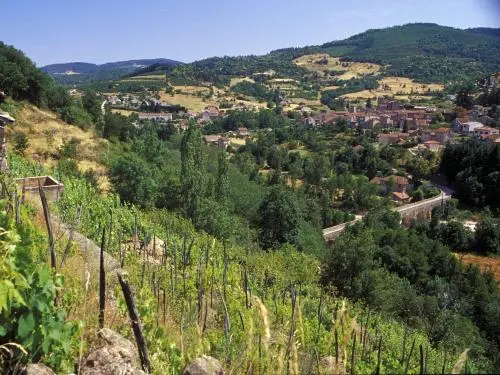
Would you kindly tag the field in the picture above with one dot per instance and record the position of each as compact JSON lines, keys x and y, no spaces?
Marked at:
{"x":484,"y":263}
{"x":191,"y":102}
{"x":350,"y":69}
{"x":46,"y":134}
{"x":152,"y":77}
{"x":236,"y":80}
{"x":124,"y":112}
{"x":400,"y":88}
{"x":403,"y":85}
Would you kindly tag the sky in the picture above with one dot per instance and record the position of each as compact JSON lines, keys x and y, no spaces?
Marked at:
{"x":98,"y":31}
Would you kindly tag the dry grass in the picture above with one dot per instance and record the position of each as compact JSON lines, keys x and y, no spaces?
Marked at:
{"x":152,"y":77}
{"x":124,"y":112}
{"x":365,"y":94}
{"x":350,"y":69}
{"x":46,"y":134}
{"x":193,"y":90}
{"x":400,"y":88}
{"x":403,"y":85}
{"x":236,"y":80}
{"x":484,"y":263}
{"x":191,"y":102}
{"x":237,"y":141}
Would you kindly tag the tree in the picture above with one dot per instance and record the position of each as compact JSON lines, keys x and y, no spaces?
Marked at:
{"x":133,"y":180}
{"x":487,"y":236}
{"x":193,"y":173}
{"x":464,"y":99}
{"x":92,"y":104}
{"x":279,"y":218}
{"x":222,"y":184}
{"x":21,"y":142}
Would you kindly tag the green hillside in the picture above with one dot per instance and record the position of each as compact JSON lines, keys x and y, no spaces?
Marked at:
{"x":426,"y":52}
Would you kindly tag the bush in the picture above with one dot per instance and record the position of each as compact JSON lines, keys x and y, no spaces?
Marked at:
{"x":21,"y":142}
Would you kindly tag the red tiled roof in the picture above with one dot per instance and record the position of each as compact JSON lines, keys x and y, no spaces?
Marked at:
{"x":400,"y":196}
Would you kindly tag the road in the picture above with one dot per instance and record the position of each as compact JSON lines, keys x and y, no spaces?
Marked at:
{"x":332,"y":232}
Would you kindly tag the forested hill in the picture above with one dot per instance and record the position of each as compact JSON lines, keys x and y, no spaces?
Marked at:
{"x":423,"y":51}
{"x":82,"y":71}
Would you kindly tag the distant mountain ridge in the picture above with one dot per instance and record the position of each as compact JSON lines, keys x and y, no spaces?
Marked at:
{"x":78,"y":72}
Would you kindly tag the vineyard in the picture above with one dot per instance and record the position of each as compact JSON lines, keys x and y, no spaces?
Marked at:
{"x":257,"y":312}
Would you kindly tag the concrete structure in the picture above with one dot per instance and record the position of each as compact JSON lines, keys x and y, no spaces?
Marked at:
{"x":29,"y":186}
{"x":408,"y":212}
{"x":5,"y":119}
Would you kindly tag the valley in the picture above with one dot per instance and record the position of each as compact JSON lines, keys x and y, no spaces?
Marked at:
{"x":302,"y":211}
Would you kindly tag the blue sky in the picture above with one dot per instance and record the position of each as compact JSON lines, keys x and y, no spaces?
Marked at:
{"x":51,"y":31}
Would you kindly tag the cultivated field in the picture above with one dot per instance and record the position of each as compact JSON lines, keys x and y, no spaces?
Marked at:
{"x":405,"y":86}
{"x":124,"y":112}
{"x":484,"y":263}
{"x":236,"y":80}
{"x":321,"y":62}
{"x":400,"y":88}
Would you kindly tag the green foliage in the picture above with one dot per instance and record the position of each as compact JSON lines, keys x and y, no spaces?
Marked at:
{"x":256,"y":90}
{"x":426,"y":52}
{"x":279,"y":218}
{"x":28,"y":289}
{"x":474,"y":167}
{"x":193,"y":176}
{"x":133,"y":181}
{"x":407,"y":274}
{"x":20,"y":78}
{"x":21,"y":142}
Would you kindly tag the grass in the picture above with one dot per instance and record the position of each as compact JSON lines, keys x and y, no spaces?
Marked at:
{"x":484,"y":263}
{"x":124,"y":112}
{"x":403,"y":85}
{"x":46,"y":134}
{"x":236,"y":80}
{"x":400,"y":88}
{"x":351,"y":69}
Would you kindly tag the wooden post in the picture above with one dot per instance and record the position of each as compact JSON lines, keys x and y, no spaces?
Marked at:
{"x":102,"y":282}
{"x":353,"y":364}
{"x":377,"y":372}
{"x":46,"y":214}
{"x":409,"y":356}
{"x":421,"y":360}
{"x":136,"y":324}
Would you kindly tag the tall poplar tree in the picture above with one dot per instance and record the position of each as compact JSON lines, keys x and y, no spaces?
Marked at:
{"x":193,"y":171}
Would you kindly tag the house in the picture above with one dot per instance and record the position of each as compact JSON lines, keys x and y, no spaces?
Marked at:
{"x":486,"y":130}
{"x":432,"y":145}
{"x":211,"y":139}
{"x":391,"y":138}
{"x":464,"y":125}
{"x":400,"y":184}
{"x":441,"y":135}
{"x":400,"y":196}
{"x":160,"y":116}
{"x":216,"y":140}
{"x":223,"y":142}
{"x":243,"y":132}
{"x":491,"y":138}
{"x":4,"y":120}
{"x":209,"y":113}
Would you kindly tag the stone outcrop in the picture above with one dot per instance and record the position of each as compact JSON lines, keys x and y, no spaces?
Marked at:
{"x":37,"y":369}
{"x":112,"y":355}
{"x":204,"y":365}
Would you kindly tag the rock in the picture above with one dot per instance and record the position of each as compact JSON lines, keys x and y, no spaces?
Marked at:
{"x":113,"y":355}
{"x":37,"y":369}
{"x":204,"y":365}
